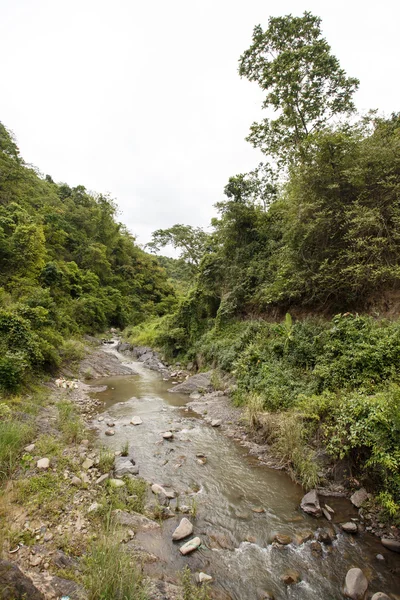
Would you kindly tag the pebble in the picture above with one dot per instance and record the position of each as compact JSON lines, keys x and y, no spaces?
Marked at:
{"x":48,"y":537}
{"x":109,"y":432}
{"x":87,"y":464}
{"x":110,"y":424}
{"x":284,"y":540}
{"x":291,"y":577}
{"x":204,"y":578}
{"x":100,"y":419}
{"x":190,"y":546}
{"x":43,"y":463}
{"x":136,"y":421}
{"x":216,"y":423}
{"x":349,"y":527}
{"x":102,"y":478}
{"x":117,"y":482}
{"x":29,"y":448}
{"x":168,"y":435}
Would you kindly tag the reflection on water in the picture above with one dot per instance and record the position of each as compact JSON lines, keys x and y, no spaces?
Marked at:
{"x":225,"y":490}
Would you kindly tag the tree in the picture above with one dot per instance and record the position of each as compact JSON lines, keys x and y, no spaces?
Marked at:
{"x":191,"y":241}
{"x":257,"y":187}
{"x":293,"y":63}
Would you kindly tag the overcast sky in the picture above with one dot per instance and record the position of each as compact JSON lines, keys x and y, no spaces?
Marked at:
{"x":143,"y":100}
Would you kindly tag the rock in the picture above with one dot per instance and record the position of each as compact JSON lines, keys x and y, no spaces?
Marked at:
{"x":43,"y":463}
{"x":282,"y":539}
{"x":326,"y":537}
{"x":310,"y":504}
{"x":100,"y":419}
{"x":349,"y":527}
{"x":168,"y":435}
{"x":159,"y":490}
{"x":380,"y":596}
{"x":291,"y":577}
{"x":94,"y":507}
{"x":14,"y":585}
{"x":380,"y":557}
{"x":35,"y":560}
{"x":87,"y":464}
{"x":356,"y":584}
{"x":48,"y":537}
{"x":135,"y":521}
{"x":204,"y":578}
{"x":327,"y":514}
{"x":263,"y":595}
{"x":391,"y":544}
{"x":316,"y":547}
{"x":359,"y":497}
{"x":258,"y":509}
{"x":110,"y":424}
{"x":102,"y":478}
{"x":184,"y":529}
{"x":216,"y":423}
{"x":198,"y":383}
{"x":29,"y":448}
{"x":190,"y":546}
{"x":329,"y":509}
{"x":76,"y":481}
{"x":123,"y":466}
{"x":117,"y":483}
{"x":304,"y":536}
{"x":109,"y":432}
{"x":136,"y":421}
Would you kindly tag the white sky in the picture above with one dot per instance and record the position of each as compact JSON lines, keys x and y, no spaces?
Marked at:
{"x":143,"y":100}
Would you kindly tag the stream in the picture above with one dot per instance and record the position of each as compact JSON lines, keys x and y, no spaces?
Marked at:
{"x":225,"y":494}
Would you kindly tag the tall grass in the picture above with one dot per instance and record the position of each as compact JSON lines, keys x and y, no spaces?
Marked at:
{"x":110,"y":573}
{"x":13,"y":437}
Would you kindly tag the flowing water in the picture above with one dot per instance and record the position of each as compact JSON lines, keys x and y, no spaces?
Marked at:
{"x":223,"y":492}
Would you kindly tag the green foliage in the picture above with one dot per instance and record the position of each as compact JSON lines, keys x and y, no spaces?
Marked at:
{"x":110,"y":573}
{"x":66,"y":267}
{"x":190,"y":241}
{"x":191,"y":591}
{"x":292,"y":62}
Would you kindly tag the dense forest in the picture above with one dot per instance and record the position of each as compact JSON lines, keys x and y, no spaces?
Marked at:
{"x":313,"y":233}
{"x":67,"y":267}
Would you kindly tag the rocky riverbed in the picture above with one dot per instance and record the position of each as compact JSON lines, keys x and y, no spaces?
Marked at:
{"x":211,"y":502}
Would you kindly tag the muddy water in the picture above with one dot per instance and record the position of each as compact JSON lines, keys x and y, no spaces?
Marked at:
{"x":223,"y":492}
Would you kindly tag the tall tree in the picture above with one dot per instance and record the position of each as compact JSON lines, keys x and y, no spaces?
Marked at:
{"x":304,"y":82}
{"x":190,"y":241}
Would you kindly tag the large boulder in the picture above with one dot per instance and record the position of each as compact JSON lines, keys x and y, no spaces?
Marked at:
{"x":14,"y":585}
{"x":198,"y":383}
{"x":356,"y":584}
{"x":310,"y":504}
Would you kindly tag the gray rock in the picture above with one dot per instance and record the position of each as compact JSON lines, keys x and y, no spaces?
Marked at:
{"x":159,"y":490}
{"x":198,"y":383}
{"x":204,"y":578}
{"x":310,"y":504}
{"x":102,"y":478}
{"x":380,"y":596}
{"x":216,"y":423}
{"x":190,"y":546}
{"x":43,"y":463}
{"x":14,"y":585}
{"x":359,"y":497}
{"x":29,"y":448}
{"x":391,"y":544}
{"x":94,"y":507}
{"x":135,"y":521}
{"x":356,"y":585}
{"x":349,"y":527}
{"x":76,"y":481}
{"x":87,"y":464}
{"x":168,"y":435}
{"x":184,"y":529}
{"x":123,"y":466}
{"x":117,"y":483}
{"x":327,"y":514}
{"x":136,"y":421}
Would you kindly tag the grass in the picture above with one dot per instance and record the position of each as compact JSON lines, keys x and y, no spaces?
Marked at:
{"x":191,"y":591}
{"x":70,"y":423}
{"x":110,"y":573}
{"x":125,"y":449}
{"x":46,"y":491}
{"x":106,"y":460}
{"x":130,"y":497}
{"x":13,"y":437}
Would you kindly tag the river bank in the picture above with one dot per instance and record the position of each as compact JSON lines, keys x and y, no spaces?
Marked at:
{"x":236,"y":505}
